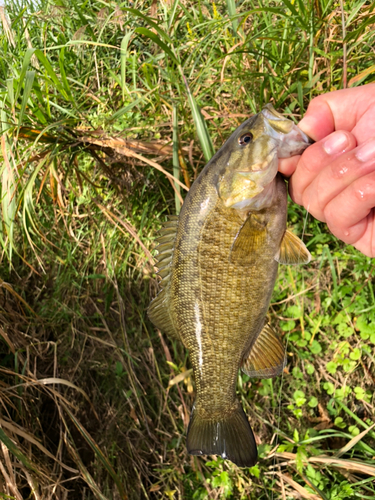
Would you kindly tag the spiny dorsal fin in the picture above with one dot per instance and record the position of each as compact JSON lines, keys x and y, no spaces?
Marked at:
{"x":267,"y":356}
{"x":292,"y":250}
{"x":159,"y":310}
{"x":248,"y":240}
{"x":166,"y":239}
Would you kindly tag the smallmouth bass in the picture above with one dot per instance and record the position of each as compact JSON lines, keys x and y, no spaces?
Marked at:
{"x":218,"y":263}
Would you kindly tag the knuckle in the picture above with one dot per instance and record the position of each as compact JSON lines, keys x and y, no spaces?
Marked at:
{"x":364,"y":191}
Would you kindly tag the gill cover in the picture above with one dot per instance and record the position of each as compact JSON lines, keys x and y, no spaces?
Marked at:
{"x":254,"y":149}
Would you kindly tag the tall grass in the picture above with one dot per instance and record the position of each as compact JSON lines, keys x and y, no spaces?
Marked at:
{"x":108,"y":113}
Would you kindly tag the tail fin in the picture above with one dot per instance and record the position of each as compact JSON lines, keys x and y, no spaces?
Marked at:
{"x":231,"y":438}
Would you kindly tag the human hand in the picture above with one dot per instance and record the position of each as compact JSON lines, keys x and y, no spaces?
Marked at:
{"x":334,"y":179}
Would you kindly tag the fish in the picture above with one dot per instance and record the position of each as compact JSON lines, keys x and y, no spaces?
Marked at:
{"x":218,"y":264}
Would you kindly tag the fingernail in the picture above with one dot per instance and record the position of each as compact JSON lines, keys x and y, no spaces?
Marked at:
{"x":336,"y":143}
{"x":366,"y":151}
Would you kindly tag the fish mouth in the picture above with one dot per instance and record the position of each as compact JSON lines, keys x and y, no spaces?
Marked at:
{"x":294,"y":143}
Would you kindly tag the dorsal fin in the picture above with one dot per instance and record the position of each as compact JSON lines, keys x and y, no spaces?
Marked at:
{"x":160,"y":311}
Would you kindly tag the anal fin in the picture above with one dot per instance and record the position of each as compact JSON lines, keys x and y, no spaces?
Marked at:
{"x":267,"y":356}
{"x":292,"y":250}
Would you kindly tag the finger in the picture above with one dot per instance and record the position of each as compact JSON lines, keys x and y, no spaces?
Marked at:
{"x":315,"y":159}
{"x":366,"y":243}
{"x":341,"y":110}
{"x":340,"y":173}
{"x":287,"y":166}
{"x":350,"y":214}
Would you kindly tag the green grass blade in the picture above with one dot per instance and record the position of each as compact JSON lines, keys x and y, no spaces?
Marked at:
{"x":16,"y":452}
{"x":128,"y":107}
{"x":29,"y":80}
{"x":10,"y":92}
{"x":151,"y":23}
{"x":124,"y":57}
{"x":353,"y":442}
{"x":333,"y":272}
{"x":231,"y":6}
{"x":355,"y":417}
{"x":200,"y":125}
{"x":295,"y":13}
{"x":8,"y":191}
{"x":85,"y":473}
{"x":98,"y":452}
{"x":176,"y":163}
{"x":51,"y":73}
{"x":158,"y":41}
{"x":25,"y":65}
{"x":84,"y":18}
{"x":172,"y":13}
{"x":63,"y":73}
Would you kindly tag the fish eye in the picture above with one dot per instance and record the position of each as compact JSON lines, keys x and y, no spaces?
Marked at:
{"x":245,"y":139}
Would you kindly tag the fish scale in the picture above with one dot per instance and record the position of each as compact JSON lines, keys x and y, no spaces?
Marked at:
{"x":219,"y":263}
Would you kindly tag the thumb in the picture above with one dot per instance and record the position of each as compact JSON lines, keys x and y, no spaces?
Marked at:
{"x":318,"y":121}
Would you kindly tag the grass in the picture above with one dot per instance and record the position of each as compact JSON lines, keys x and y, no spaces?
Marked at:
{"x":108,"y":113}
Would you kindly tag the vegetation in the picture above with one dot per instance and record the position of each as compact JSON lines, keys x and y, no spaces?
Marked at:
{"x":108,"y":112}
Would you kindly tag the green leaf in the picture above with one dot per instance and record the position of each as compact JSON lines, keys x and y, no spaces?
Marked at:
{"x":156,"y":39}
{"x":297,"y":373}
{"x":10,"y":91}
{"x":355,"y":354}
{"x":339,"y":422}
{"x":124,"y":57}
{"x":16,"y":452}
{"x":255,"y":471}
{"x":25,"y":64}
{"x":231,"y":6}
{"x":63,"y":74}
{"x":286,"y":326}
{"x":128,"y":107}
{"x":313,"y":403}
{"x":299,"y":398}
{"x":310,"y":369}
{"x":315,"y":347}
{"x":29,"y":80}
{"x":296,"y":433}
{"x":331,"y":367}
{"x":353,"y":429}
{"x":51,"y":73}
{"x":176,"y":163}
{"x":8,"y":192}
{"x":151,"y":23}
{"x":200,"y":125}
{"x":329,"y":388}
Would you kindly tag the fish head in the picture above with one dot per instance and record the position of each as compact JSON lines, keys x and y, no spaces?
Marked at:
{"x":251,"y":158}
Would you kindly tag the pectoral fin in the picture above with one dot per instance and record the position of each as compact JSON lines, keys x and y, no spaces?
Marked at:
{"x":292,"y":250}
{"x":250,"y":238}
{"x":267,"y":356}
